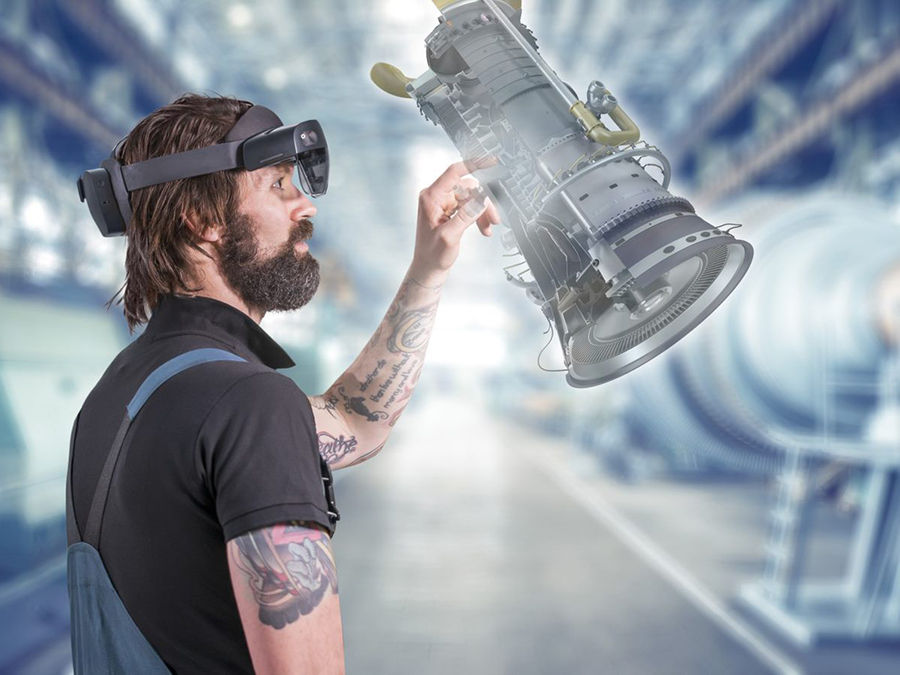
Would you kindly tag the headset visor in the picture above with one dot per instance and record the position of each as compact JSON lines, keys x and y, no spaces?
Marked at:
{"x":302,"y":143}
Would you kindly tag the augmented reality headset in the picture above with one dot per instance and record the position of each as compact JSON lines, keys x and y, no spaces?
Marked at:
{"x":257,"y":139}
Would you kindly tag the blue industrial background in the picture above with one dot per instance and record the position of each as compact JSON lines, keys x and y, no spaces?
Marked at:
{"x":756,"y":461}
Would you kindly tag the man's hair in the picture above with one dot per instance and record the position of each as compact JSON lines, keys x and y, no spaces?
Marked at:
{"x":157,"y":261}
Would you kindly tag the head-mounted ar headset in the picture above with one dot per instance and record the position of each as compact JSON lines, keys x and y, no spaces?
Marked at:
{"x":257,"y":139}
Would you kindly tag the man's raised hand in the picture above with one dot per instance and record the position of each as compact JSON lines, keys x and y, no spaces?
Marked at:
{"x":442,"y":220}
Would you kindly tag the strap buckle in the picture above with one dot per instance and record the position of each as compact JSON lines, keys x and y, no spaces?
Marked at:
{"x":328,"y":483}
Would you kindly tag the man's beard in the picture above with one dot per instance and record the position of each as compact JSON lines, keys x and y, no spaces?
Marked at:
{"x":282,"y":282}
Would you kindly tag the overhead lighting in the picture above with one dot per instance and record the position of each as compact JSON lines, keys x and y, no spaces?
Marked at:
{"x":36,"y":220}
{"x":276,"y":78}
{"x":42,"y":263}
{"x":191,"y":69}
{"x":240,"y":16}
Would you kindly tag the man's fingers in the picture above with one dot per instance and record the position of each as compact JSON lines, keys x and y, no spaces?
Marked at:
{"x":459,"y":222}
{"x":492,"y":212}
{"x":445,"y":182}
{"x":480,"y":211}
{"x":453,"y":173}
{"x":485,"y":218}
{"x":457,"y":201}
{"x":488,"y":217}
{"x":484,"y":224}
{"x":449,"y":201}
{"x":478,"y":163}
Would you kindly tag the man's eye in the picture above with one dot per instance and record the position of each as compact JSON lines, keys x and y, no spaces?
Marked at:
{"x":277,"y":184}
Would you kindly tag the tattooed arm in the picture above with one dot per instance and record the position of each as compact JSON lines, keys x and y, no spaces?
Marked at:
{"x":356,"y":415}
{"x":285,"y":585}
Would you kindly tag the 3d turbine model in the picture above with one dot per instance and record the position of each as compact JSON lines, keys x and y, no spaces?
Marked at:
{"x":623,"y":268}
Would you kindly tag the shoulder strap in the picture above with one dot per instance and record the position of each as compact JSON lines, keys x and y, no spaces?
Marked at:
{"x":72,"y":533}
{"x":153,"y":381}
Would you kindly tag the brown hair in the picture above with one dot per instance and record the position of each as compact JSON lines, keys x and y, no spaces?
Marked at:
{"x":157,"y":260}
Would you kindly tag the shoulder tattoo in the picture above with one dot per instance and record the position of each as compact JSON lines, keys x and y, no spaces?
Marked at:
{"x":289,"y":568}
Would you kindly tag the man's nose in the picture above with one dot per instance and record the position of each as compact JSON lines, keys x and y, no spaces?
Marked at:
{"x":302,"y":207}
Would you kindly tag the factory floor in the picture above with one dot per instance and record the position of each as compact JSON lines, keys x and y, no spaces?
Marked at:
{"x":472,"y":545}
{"x":478,"y":546}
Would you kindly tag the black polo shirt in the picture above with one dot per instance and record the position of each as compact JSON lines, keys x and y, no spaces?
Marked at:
{"x":220,"y":449}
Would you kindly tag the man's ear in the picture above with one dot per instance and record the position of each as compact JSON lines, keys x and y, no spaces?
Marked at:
{"x":202,"y":232}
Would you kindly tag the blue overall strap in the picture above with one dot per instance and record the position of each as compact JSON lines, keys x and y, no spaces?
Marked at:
{"x":153,"y":381}
{"x":105,"y":638}
{"x":72,"y":533}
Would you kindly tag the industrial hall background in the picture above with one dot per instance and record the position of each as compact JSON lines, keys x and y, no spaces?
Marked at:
{"x":731,"y":506}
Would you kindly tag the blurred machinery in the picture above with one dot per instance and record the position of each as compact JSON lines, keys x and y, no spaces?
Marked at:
{"x":798,"y":378}
{"x":790,"y":93}
{"x":51,"y":354}
{"x":622,"y":268}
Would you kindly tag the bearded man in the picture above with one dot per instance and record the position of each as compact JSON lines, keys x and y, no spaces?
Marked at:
{"x":217,"y":521}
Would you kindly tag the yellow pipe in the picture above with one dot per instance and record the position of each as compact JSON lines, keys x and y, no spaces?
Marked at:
{"x":597,"y":132}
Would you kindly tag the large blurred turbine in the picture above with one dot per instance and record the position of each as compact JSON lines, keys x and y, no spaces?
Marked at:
{"x":812,"y":323}
{"x":800,"y":377}
{"x":621,"y":266}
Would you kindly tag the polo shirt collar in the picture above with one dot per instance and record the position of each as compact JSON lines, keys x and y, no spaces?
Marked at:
{"x":185,"y":314}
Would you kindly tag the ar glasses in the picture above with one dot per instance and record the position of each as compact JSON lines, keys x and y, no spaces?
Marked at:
{"x":257,"y":139}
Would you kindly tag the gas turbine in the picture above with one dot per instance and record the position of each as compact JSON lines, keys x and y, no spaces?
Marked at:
{"x":623,"y":268}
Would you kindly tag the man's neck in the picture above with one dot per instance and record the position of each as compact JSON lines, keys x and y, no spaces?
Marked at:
{"x":224,"y":293}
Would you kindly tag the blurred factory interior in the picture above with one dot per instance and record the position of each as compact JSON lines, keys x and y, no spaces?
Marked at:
{"x":732,"y":506}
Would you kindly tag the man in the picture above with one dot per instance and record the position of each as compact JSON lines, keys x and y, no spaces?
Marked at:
{"x":216,"y":533}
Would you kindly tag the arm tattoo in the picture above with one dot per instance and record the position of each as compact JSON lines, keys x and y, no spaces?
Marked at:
{"x":334,"y":448}
{"x":377,"y":387}
{"x":357,"y":404}
{"x":412,"y":329}
{"x":329,"y":404}
{"x":289,"y":569}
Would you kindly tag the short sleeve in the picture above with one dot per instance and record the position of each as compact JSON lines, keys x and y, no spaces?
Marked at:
{"x":260,"y":454}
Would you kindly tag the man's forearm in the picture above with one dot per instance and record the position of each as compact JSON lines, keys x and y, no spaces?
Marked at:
{"x":372,"y":393}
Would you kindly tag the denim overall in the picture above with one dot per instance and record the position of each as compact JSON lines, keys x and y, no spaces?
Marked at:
{"x":105,"y":639}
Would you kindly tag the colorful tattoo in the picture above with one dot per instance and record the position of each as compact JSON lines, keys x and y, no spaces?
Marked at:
{"x":289,"y":568}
